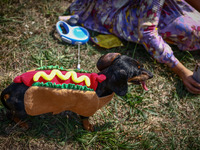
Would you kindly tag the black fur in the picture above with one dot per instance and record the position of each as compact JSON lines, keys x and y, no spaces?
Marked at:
{"x":15,"y":103}
{"x":122,"y":69}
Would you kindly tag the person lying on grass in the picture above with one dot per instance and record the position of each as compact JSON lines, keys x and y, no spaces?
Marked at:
{"x":153,"y":23}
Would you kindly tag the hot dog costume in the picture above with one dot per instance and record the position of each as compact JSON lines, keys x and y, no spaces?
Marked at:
{"x":53,"y":89}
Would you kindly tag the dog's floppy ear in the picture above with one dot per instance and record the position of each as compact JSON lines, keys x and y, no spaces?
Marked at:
{"x":118,"y":82}
{"x":106,"y":60}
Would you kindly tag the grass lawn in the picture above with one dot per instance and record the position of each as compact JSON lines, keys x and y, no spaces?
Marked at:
{"x":165,"y":117}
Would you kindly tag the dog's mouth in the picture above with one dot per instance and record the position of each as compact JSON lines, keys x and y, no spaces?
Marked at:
{"x":141,"y":80}
{"x":143,"y":83}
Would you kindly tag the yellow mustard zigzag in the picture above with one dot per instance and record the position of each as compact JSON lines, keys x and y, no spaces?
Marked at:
{"x":69,"y":74}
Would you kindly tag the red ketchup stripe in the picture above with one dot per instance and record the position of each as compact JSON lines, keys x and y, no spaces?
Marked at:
{"x":27,"y":78}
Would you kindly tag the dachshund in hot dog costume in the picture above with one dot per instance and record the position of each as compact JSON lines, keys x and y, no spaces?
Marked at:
{"x":53,"y":89}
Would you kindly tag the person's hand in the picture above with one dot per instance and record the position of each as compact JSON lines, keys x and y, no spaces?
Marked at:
{"x":186,"y":76}
{"x":191,"y":85}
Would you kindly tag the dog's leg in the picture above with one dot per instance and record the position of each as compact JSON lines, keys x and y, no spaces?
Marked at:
{"x":86,"y":124}
{"x":21,"y":123}
{"x":12,"y":116}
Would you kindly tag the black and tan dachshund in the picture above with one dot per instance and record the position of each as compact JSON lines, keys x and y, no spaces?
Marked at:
{"x":118,"y":69}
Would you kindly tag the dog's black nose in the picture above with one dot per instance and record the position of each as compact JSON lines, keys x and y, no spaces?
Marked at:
{"x":148,"y":73}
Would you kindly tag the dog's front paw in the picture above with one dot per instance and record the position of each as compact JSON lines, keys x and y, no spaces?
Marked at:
{"x":21,"y":124}
{"x":87,"y":126}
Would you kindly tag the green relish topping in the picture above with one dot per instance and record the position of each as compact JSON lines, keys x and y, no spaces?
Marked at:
{"x":62,"y":86}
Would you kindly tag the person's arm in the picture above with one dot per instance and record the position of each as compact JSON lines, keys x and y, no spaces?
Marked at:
{"x":149,"y":14}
